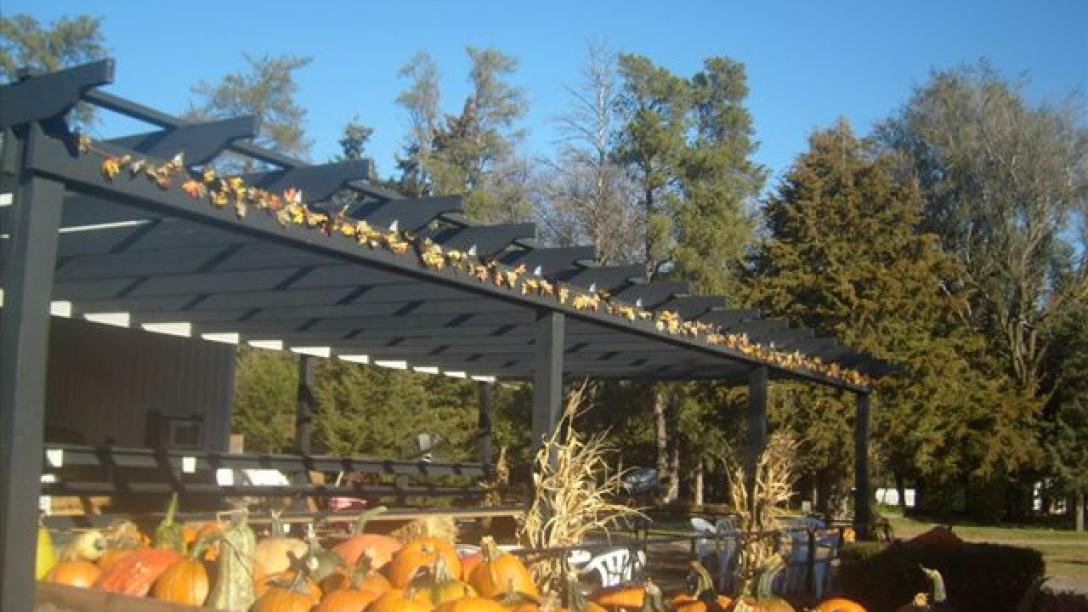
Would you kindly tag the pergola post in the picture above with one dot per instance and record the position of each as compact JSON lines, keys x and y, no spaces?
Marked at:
{"x":547,"y":375}
{"x":27,"y":279}
{"x":862,"y":492}
{"x":304,"y":409}
{"x":483,"y":431}
{"x":757,"y":427}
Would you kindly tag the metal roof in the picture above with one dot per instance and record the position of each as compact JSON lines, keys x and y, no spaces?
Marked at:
{"x":132,"y":252}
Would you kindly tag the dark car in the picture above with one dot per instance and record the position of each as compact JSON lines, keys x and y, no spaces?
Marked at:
{"x":641,"y":481}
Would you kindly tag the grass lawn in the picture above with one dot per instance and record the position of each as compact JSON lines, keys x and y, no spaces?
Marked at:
{"x":1065,"y":552}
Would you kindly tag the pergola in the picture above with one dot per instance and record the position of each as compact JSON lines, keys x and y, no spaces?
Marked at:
{"x":315,"y":259}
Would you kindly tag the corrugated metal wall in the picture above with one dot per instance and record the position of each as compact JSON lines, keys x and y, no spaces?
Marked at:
{"x":106,"y":385}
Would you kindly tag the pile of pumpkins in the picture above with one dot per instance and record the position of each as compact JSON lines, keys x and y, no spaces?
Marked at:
{"x":222,"y":565}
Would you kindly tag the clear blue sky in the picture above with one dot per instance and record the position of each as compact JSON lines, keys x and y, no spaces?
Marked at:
{"x":808,"y":62}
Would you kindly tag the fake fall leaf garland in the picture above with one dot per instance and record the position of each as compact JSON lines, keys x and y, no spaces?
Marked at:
{"x":289,"y":208}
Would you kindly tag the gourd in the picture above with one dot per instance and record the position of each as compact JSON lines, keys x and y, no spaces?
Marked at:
{"x":320,"y":563}
{"x":764,"y":599}
{"x":46,"y":555}
{"x":500,"y":573}
{"x":134,"y":574}
{"x":170,"y":534}
{"x":704,"y":597}
{"x":937,"y":599}
{"x":271,"y":552}
{"x":86,"y":546}
{"x":185,"y":582}
{"x":121,"y":540}
{"x":74,"y":573}
{"x":234,"y":588}
{"x":439,"y":587}
{"x":420,"y":553}
{"x":381,"y":547}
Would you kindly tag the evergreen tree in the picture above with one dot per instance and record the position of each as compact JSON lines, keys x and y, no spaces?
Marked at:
{"x":265,"y":395}
{"x":421,"y":99}
{"x":1065,"y":432}
{"x":267,"y":91}
{"x":843,"y":255}
{"x":67,"y":42}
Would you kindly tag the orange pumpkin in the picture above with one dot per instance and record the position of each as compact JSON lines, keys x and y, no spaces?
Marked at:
{"x":420,"y":553}
{"x":380,"y":548}
{"x":113,"y":555}
{"x":704,"y":597}
{"x":285,"y":599}
{"x":134,"y":574}
{"x":839,"y":604}
{"x":397,"y":600}
{"x":501,"y":573}
{"x":360,"y":578}
{"x":469,"y":563}
{"x":622,"y":597}
{"x":471,"y":604}
{"x":347,"y":600}
{"x":267,"y":582}
{"x":74,"y":573}
{"x":194,"y":532}
{"x":186,"y":581}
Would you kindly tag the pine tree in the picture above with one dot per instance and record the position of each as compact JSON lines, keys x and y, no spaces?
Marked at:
{"x":265,"y":394}
{"x":844,"y":255}
{"x":1065,"y":430}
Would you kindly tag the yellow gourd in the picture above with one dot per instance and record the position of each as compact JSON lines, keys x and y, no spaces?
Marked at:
{"x":47,"y":555}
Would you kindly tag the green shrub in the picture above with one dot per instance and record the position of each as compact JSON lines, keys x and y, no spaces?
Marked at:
{"x":977,"y":576}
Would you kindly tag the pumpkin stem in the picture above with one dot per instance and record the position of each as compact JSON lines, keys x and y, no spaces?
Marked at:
{"x":652,"y":600}
{"x":366,"y":515}
{"x":704,"y":585}
{"x":302,"y":573}
{"x":275,"y":525}
{"x":490,"y":549}
{"x":361,"y":570}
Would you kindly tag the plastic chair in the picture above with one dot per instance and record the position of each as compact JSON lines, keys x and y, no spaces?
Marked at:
{"x":614,"y":567}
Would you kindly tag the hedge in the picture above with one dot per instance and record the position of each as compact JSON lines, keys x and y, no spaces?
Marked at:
{"x":977,"y":576}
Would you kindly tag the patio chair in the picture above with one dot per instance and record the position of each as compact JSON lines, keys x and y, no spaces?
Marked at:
{"x":717,"y":551}
{"x":614,"y":567}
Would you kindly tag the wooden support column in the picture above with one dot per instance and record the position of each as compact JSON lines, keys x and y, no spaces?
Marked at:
{"x":757,"y":427}
{"x":547,"y":375}
{"x":27,"y":277}
{"x":483,"y":430}
{"x":862,"y":492}
{"x":304,"y":409}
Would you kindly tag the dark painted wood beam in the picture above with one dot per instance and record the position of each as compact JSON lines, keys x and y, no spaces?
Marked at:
{"x":756,"y":441}
{"x":27,"y":279}
{"x":548,"y":376}
{"x":199,"y":142}
{"x":46,"y":96}
{"x":483,"y":423}
{"x":863,"y":495}
{"x":306,"y":405}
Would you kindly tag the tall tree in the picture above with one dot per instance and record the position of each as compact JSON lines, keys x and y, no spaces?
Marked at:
{"x":421,"y":99}
{"x":587,"y":192}
{"x":266,"y":90}
{"x":265,"y":393}
{"x":654,"y":105}
{"x":719,"y":180}
{"x":1004,"y":182}
{"x":1066,"y":425}
{"x":66,"y":42}
{"x":843,"y":254}
{"x":353,"y":140}
{"x":474,"y":152}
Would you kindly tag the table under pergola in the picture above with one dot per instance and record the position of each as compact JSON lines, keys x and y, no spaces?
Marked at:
{"x":142,"y":231}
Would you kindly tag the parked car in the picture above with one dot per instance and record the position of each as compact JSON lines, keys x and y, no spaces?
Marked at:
{"x":641,"y":481}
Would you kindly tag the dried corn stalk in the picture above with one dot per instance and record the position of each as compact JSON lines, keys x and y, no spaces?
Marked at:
{"x":757,"y":516}
{"x":442,"y":527}
{"x":574,"y":488}
{"x":499,"y":481}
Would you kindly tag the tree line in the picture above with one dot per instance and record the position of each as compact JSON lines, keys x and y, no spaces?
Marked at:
{"x":950,"y":240}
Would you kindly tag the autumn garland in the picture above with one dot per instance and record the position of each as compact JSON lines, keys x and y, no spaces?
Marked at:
{"x":289,"y":209}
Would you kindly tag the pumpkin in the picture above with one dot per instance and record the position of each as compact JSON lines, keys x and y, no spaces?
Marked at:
{"x":501,"y":573}
{"x":271,"y":552}
{"x":937,"y":599}
{"x":125,"y":534}
{"x":439,"y":587}
{"x":296,"y":597}
{"x":74,"y":573}
{"x":347,"y":600}
{"x":420,"y":553}
{"x":471,"y":604}
{"x":381,"y":547}
{"x":703,"y":597}
{"x":86,"y":546}
{"x":194,"y":532}
{"x":622,"y":597}
{"x":170,"y":533}
{"x":233,"y":589}
{"x":134,"y":574}
{"x":839,"y":604}
{"x":46,"y":556}
{"x":360,"y":578}
{"x":185,"y":582}
{"x":397,"y":600}
{"x":763,"y":598}
{"x":469,"y":563}
{"x":112,"y":556}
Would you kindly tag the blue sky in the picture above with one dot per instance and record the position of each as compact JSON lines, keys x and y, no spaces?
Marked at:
{"x":808,"y":62}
